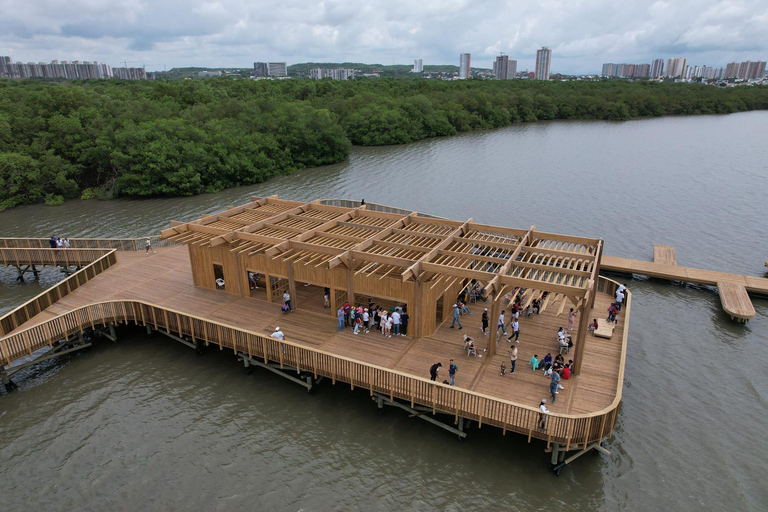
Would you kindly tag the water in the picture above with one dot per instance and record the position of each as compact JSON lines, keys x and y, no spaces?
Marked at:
{"x":145,"y":424}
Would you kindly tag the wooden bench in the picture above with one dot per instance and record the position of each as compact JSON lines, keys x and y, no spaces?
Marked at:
{"x":604,"y":329}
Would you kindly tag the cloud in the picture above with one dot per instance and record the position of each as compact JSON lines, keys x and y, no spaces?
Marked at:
{"x":582,"y":34}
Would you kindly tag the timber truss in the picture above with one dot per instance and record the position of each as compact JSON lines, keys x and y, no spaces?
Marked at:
{"x":382,"y":242}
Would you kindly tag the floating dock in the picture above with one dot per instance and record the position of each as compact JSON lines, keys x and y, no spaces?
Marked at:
{"x":206,"y":293}
{"x":734,"y":289}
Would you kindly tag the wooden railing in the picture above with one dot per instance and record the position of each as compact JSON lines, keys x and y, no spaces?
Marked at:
{"x":57,"y":257}
{"x":568,"y":430}
{"x":120,"y":244}
{"x":100,"y":260}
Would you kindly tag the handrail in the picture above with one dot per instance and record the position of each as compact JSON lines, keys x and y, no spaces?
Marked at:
{"x":121,"y":244}
{"x":567,"y":429}
{"x":18,"y":316}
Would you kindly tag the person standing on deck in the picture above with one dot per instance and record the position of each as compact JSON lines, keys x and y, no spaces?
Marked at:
{"x":66,"y":243}
{"x":434,"y":369}
{"x":456,"y":313}
{"x":396,"y":322}
{"x":347,"y":310}
{"x":404,"y":322}
{"x":52,"y":241}
{"x":148,"y":244}
{"x":340,"y":315}
{"x":619,"y":299}
{"x":553,"y":383}
{"x":512,"y":360}
{"x":278,"y":335}
{"x":515,"y":331}
{"x":501,"y":324}
{"x":543,"y":414}
{"x":287,"y":301}
{"x":452,"y":369}
{"x":366,"y":320}
{"x":571,"y":319}
{"x":484,"y":328}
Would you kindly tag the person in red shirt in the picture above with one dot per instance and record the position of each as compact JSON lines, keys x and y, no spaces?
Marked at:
{"x":565,"y":373}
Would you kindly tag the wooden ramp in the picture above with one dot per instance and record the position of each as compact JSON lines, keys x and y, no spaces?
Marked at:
{"x":664,"y":255}
{"x":735,"y":301}
{"x":733,"y":288}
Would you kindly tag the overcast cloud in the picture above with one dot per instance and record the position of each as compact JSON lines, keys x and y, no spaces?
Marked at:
{"x":582,"y":34}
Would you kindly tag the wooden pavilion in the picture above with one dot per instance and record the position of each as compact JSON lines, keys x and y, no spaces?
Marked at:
{"x":359,"y":251}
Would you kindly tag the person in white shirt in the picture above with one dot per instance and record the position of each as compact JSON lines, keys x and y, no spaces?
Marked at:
{"x":501,"y":325}
{"x":543,"y":414}
{"x":515,"y":331}
{"x":366,"y":319}
{"x":619,"y":299}
{"x":278,"y":335}
{"x":287,"y":301}
{"x":396,"y":322}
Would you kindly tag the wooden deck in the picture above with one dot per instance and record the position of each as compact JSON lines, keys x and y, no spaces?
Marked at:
{"x":165,"y":280}
{"x":664,"y":255}
{"x":732,"y":288}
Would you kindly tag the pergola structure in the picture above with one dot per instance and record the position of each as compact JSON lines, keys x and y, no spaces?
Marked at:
{"x":380,"y":251}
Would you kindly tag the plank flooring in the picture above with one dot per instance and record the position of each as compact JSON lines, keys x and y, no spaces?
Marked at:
{"x":165,"y":279}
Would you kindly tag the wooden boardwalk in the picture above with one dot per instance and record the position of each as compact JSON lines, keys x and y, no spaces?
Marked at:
{"x":165,"y":280}
{"x":732,"y":288}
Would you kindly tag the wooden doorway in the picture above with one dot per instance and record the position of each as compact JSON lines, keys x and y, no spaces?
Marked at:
{"x":218,"y":277}
{"x":257,"y":285}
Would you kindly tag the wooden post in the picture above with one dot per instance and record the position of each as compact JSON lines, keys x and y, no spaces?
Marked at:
{"x":332,"y":297}
{"x":351,"y":283}
{"x":292,"y":286}
{"x":581,"y":337}
{"x":416,"y":310}
{"x":268,"y":283}
{"x":493,"y":321}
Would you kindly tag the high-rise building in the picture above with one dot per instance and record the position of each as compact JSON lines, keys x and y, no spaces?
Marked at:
{"x":464,"y":63}
{"x":5,"y":67}
{"x":277,"y":69}
{"x":333,"y":74}
{"x":543,"y":63}
{"x":260,"y":69}
{"x":657,"y":68}
{"x":501,"y":67}
{"x":417,"y":66}
{"x":676,"y":67}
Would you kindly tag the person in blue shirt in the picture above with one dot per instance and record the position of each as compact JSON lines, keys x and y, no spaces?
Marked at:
{"x":452,"y":368}
{"x":456,"y":313}
{"x":534,"y":362}
{"x":553,"y":385}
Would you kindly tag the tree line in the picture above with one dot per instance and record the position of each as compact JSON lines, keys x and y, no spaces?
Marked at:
{"x":103,"y":139}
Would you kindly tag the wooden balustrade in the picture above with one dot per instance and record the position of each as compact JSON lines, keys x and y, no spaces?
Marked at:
{"x":120,"y":244}
{"x":96,"y":261}
{"x":568,"y":430}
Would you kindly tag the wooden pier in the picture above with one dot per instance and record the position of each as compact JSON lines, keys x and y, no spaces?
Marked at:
{"x":167,"y":293}
{"x":733,"y":289}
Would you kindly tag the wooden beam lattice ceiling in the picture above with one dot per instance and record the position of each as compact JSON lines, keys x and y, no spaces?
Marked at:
{"x":404,"y":246}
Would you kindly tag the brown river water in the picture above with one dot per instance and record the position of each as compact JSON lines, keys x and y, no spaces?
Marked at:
{"x":144,"y":424}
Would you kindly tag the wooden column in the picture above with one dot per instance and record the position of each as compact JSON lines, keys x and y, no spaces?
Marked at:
{"x":493,"y":321}
{"x":268,"y":282}
{"x":581,"y":337}
{"x":292,"y":286}
{"x":416,"y":310}
{"x":351,"y":282}
{"x":332,"y":297}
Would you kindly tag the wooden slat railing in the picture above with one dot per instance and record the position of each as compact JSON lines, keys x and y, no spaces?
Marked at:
{"x":57,"y":257}
{"x":120,"y":244}
{"x":568,"y":430}
{"x":96,"y":261}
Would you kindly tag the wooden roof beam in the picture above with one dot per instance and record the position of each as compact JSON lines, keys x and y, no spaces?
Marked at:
{"x":346,"y":257}
{"x":380,"y":258}
{"x":496,"y":281}
{"x":504,"y":280}
{"x":416,"y":269}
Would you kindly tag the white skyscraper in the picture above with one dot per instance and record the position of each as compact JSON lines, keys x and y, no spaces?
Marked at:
{"x":543,"y":63}
{"x":417,"y":66}
{"x":676,"y":67}
{"x":464,"y":65}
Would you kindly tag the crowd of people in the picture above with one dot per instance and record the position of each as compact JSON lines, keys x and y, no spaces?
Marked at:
{"x":59,"y":243}
{"x":391,"y":322}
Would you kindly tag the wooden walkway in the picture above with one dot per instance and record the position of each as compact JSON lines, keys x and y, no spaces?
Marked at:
{"x":165,"y":280}
{"x":732,"y":288}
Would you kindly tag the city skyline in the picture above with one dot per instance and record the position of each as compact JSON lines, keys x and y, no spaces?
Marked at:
{"x":233,"y":33}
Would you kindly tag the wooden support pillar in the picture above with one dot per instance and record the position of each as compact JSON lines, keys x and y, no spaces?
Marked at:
{"x":292,"y":286}
{"x":493,"y":322}
{"x":351,"y":282}
{"x":268,"y":283}
{"x":416,"y":311}
{"x":581,"y":337}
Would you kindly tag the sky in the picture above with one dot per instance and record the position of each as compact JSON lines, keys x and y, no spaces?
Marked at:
{"x":583,"y":34}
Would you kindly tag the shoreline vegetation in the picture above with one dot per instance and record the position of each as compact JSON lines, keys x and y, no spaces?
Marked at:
{"x":105,"y":139}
